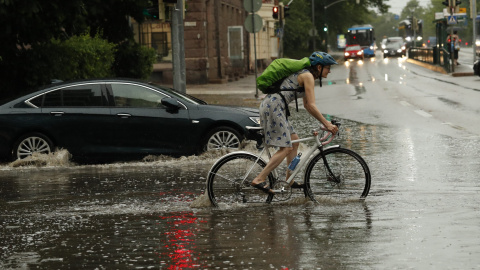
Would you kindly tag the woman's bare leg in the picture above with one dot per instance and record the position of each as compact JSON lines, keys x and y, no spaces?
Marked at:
{"x":276,"y":159}
{"x":292,"y":154}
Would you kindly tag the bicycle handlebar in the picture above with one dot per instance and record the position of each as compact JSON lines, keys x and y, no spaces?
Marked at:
{"x":328,"y":137}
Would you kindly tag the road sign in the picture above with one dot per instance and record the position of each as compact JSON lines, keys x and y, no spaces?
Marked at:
{"x":257,"y":22}
{"x":452,"y":20}
{"x":252,"y":5}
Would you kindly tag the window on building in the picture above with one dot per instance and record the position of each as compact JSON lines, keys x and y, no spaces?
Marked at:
{"x":235,"y":42}
{"x":160,"y":44}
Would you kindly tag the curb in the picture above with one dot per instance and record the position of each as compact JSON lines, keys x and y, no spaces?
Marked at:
{"x":439,"y":68}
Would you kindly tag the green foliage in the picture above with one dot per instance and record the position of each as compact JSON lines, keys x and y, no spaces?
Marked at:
{"x":385,"y":26}
{"x":339,"y":16}
{"x":79,"y":57}
{"x":44,"y":40}
{"x":297,"y":25}
{"x":82,"y":57}
{"x":134,"y":61}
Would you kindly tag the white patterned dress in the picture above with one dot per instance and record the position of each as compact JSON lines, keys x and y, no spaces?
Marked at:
{"x":273,"y":116}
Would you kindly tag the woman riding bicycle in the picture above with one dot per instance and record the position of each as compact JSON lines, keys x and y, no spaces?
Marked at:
{"x":273,"y":114}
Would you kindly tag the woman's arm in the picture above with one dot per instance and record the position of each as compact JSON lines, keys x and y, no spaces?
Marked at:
{"x":309,"y":101}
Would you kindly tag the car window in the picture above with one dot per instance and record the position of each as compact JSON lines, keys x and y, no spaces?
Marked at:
{"x":89,"y":95}
{"x":353,"y":48}
{"x":131,"y":95}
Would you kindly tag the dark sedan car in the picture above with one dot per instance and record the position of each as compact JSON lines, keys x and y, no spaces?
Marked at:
{"x":394,"y":47}
{"x":115,"y":118}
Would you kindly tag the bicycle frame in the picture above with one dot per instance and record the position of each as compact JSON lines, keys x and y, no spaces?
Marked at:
{"x":319,"y":143}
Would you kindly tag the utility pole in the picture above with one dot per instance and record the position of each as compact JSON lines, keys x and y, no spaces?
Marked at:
{"x":313,"y":24}
{"x":473,"y":10}
{"x":178,"y":48}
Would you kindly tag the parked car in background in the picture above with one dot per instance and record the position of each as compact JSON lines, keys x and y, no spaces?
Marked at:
{"x":395,"y":46}
{"x":353,"y":52}
{"x":118,"y":118}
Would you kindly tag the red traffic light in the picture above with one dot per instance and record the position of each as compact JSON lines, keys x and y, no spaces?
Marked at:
{"x":275,"y":12}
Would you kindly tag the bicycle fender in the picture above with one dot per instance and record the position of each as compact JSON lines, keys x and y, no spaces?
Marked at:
{"x":330,"y":147}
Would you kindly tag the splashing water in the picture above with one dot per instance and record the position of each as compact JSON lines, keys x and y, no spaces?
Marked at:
{"x":58,"y":158}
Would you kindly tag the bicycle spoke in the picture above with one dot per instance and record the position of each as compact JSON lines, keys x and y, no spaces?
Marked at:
{"x":229,"y":180}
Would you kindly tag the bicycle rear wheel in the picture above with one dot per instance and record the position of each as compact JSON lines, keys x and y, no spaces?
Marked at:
{"x":351,"y":176}
{"x":229,"y":180}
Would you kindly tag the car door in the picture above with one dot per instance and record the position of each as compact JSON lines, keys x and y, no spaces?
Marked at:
{"x":143,"y":125}
{"x":76,"y":116}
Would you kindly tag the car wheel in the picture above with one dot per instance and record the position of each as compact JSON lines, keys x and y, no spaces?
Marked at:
{"x":32,"y":143}
{"x":223,"y":137}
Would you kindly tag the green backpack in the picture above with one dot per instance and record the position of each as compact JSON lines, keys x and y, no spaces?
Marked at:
{"x":271,"y":79}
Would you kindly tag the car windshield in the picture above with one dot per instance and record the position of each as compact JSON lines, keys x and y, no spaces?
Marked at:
{"x":175,"y":93}
{"x":390,"y":40}
{"x":394,"y":44}
{"x":354,"y":48}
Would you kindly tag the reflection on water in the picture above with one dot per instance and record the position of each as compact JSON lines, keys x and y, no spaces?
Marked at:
{"x":152,"y":214}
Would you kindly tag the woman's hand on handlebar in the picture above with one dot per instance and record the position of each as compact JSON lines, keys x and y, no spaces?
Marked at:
{"x":331,"y":128}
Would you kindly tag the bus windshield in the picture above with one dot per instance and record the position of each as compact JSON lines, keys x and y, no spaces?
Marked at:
{"x":362,"y":37}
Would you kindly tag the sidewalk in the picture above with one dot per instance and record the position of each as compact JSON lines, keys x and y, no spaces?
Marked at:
{"x":240,"y":92}
{"x":459,"y":71}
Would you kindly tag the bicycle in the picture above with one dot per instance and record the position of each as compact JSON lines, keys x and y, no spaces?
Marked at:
{"x":329,"y":171}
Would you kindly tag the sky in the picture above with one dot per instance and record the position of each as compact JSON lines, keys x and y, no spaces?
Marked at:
{"x":396,"y":6}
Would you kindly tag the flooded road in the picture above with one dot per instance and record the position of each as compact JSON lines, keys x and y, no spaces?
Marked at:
{"x":418,"y":132}
{"x":422,"y":213}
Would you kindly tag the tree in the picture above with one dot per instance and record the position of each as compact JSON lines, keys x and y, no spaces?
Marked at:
{"x":385,"y":26}
{"x":296,"y":33}
{"x":412,"y":8}
{"x":337,"y":17}
{"x":26,"y":25}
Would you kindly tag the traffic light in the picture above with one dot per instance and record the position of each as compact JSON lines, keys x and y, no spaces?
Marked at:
{"x":275,"y":12}
{"x":286,"y":11}
{"x":446,"y":3}
{"x":152,"y":12}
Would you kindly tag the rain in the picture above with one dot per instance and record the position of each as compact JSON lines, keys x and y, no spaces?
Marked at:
{"x":422,"y":211}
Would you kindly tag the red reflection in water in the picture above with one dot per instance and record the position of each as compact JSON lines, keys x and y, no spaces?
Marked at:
{"x":180,"y":241}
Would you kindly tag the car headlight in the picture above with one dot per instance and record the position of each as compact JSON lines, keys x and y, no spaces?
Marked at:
{"x":383,"y":46}
{"x":347,"y":54}
{"x":360,"y":52}
{"x":399,"y":50}
{"x":385,"y":51}
{"x":403,"y":47}
{"x":255,"y":119}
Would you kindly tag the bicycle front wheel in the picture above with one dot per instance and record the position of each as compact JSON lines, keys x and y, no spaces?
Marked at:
{"x":349,"y":175}
{"x":229,"y":180}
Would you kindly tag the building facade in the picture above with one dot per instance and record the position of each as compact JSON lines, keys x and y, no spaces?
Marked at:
{"x":217,"y":46}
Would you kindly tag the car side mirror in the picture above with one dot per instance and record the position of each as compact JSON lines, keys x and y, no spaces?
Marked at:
{"x":172,"y":104}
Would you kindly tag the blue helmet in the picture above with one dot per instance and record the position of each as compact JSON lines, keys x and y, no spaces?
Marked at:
{"x":322,"y":58}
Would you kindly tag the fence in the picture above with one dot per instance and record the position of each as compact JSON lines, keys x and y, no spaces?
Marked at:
{"x":435,"y":56}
